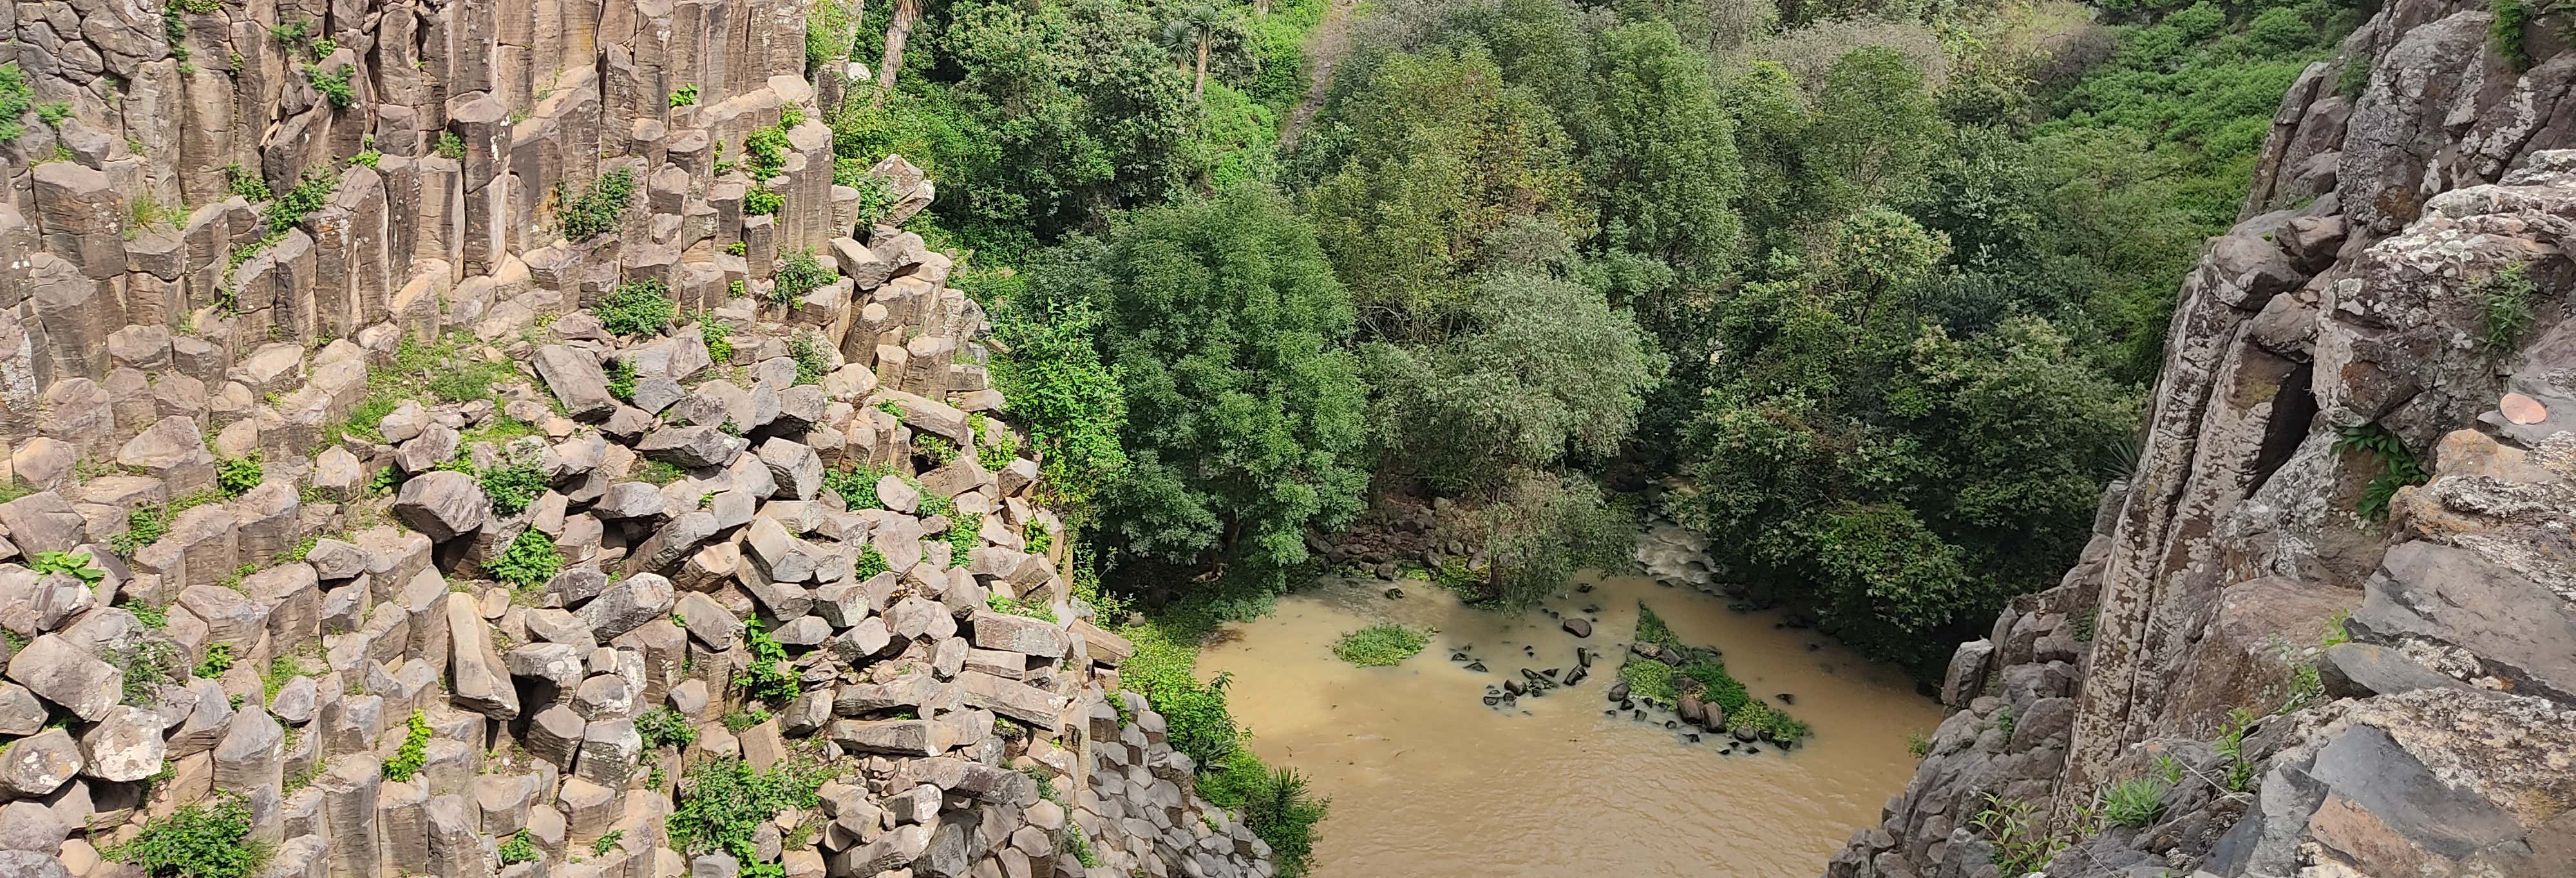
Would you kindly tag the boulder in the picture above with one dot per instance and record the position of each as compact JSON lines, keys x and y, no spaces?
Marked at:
{"x":442,"y":504}
{"x":576,"y":379}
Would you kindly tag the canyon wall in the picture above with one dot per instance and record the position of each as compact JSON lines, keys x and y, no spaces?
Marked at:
{"x":2266,"y":663}
{"x":456,"y":437}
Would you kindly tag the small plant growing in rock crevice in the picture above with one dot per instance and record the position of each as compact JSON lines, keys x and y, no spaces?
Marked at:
{"x":74,"y":564}
{"x":798,"y":274}
{"x":724,"y":802}
{"x":766,"y":681}
{"x":621,"y":379}
{"x":1380,"y":645}
{"x":512,"y":488}
{"x":718,"y":336}
{"x":686,"y":95}
{"x":2398,"y":467}
{"x":2021,"y":841}
{"x":2134,"y":803}
{"x":663,"y":726}
{"x":530,"y":561}
{"x":333,"y":84}
{"x":762,"y":202}
{"x":414,"y":752}
{"x":449,"y":146}
{"x":636,"y":308}
{"x":519,"y":849}
{"x":857,"y":487}
{"x":2505,"y":307}
{"x":235,"y":476}
{"x":219,"y":659}
{"x":599,"y":209}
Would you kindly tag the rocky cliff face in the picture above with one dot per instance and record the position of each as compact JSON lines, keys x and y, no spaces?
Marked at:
{"x":2392,"y":309}
{"x":362,"y":475}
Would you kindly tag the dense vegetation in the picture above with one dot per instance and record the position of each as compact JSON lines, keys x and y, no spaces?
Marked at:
{"x":1868,"y":292}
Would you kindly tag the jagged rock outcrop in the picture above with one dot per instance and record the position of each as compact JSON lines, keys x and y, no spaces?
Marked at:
{"x":2392,"y":310}
{"x":319,"y":341}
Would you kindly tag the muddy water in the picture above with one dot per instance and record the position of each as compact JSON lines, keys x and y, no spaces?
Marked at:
{"x":1428,"y":782}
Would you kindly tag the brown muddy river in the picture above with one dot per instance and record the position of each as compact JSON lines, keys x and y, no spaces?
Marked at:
{"x":1428,"y":782}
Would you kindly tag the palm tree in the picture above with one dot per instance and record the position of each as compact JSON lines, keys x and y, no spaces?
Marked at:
{"x":905,"y":11}
{"x":1194,"y":32}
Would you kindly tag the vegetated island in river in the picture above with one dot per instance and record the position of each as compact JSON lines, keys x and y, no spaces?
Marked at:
{"x":1692,"y":681}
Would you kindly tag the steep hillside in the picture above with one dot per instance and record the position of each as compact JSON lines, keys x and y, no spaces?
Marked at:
{"x":499,"y":438}
{"x":2325,"y":626}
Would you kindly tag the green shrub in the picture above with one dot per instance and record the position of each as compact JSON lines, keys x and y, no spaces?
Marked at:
{"x":599,"y":209}
{"x":685,"y":95}
{"x":764,"y":153}
{"x":718,"y":336}
{"x":724,"y":802}
{"x":147,"y":662}
{"x":857,"y":487}
{"x":367,"y":157}
{"x":963,"y":537}
{"x":638,"y":307}
{"x":871,"y":562}
{"x":414,"y":752}
{"x":1380,"y":645}
{"x":1079,"y":845}
{"x":1282,"y":811}
{"x":15,"y":97}
{"x":530,"y":560}
{"x":246,"y":183}
{"x":237,"y":475}
{"x":762,"y":202}
{"x":766,"y":680}
{"x":934,"y":448}
{"x":219,"y":659}
{"x":601,"y":846}
{"x":1650,"y":681}
{"x":292,"y":206}
{"x":75,"y":564}
{"x":333,"y":84}
{"x":663,"y":726}
{"x":54,"y":113}
{"x":813,"y":357}
{"x":2134,"y":803}
{"x":996,"y":446}
{"x":200,"y":840}
{"x":737,"y":248}
{"x":518,"y":849}
{"x":798,"y":274}
{"x":2399,"y":467}
{"x":621,"y":379}
{"x":450,"y":146}
{"x":2504,"y":29}
{"x":2504,"y":301}
{"x":513,"y":487}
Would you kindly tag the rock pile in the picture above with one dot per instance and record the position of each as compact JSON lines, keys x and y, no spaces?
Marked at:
{"x":363,"y":477}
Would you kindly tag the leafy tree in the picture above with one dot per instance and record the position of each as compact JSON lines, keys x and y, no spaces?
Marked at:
{"x":1873,"y":128}
{"x":1441,"y":154}
{"x":1548,"y":369}
{"x":1226,"y":328}
{"x":1659,"y":153}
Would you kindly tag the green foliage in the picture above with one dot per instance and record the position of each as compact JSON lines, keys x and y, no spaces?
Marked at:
{"x":766,"y":680}
{"x":310,"y":194}
{"x":148,"y":663}
{"x":54,"y":113}
{"x":237,"y":475}
{"x":638,"y":307}
{"x":219,"y":659}
{"x":658,"y":473}
{"x":2398,"y":467}
{"x":16,"y":96}
{"x":520,"y":848}
{"x":2240,"y":773}
{"x":1917,"y":745}
{"x":414,"y":752}
{"x":1278,"y":806}
{"x":1380,"y":645}
{"x":1057,"y":386}
{"x":512,"y":486}
{"x":74,"y":564}
{"x":246,"y":183}
{"x":621,"y":379}
{"x":2134,"y":803}
{"x":718,"y":336}
{"x":367,"y":157}
{"x":724,"y":802}
{"x":449,"y":146}
{"x":530,"y":560}
{"x":1650,"y":681}
{"x":812,"y":355}
{"x":2020,"y":836}
{"x":1442,"y":155}
{"x":200,"y":840}
{"x":1078,"y":844}
{"x":798,"y":274}
{"x":750,"y":715}
{"x":996,"y":446}
{"x":333,"y":84}
{"x":2505,"y":303}
{"x":2504,"y":29}
{"x":870,"y":563}
{"x":857,"y":485}
{"x":962,"y":537}
{"x":684,"y":96}
{"x":606,"y":842}
{"x":764,"y":153}
{"x":143,"y":527}
{"x":934,"y":448}
{"x":1224,"y":327}
{"x":760,"y":201}
{"x":599,"y":209}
